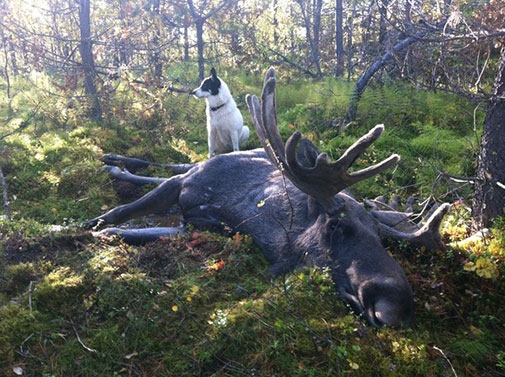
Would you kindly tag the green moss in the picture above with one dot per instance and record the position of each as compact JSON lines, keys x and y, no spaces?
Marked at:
{"x":204,"y":304}
{"x":211,"y":309}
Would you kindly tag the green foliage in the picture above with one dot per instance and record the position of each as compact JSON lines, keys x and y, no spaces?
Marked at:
{"x":55,"y":178}
{"x":400,"y":105}
{"x":497,"y":244}
{"x":204,"y":304}
{"x":52,"y":163}
{"x":312,"y":107}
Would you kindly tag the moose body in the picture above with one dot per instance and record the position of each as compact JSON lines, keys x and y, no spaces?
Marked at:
{"x":294,"y":220}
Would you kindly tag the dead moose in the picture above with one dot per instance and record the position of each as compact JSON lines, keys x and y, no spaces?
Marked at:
{"x":291,"y":200}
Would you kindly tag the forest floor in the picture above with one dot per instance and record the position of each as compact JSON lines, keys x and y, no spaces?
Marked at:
{"x":205,"y":305}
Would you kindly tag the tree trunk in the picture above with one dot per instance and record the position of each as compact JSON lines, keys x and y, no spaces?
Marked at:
{"x":199,"y":21}
{"x":339,"y":38}
{"x":383,"y":21}
{"x":350,"y":47}
{"x":88,"y":64}
{"x":200,"y":47}
{"x":155,"y":53}
{"x":489,"y":198}
{"x":5,"y":69}
{"x":186,"y":43}
{"x":312,"y":27}
{"x":363,"y":80}
{"x":275,"y":21}
{"x":5,"y":195}
{"x":408,"y":10}
{"x":121,"y":58}
{"x":316,"y":35}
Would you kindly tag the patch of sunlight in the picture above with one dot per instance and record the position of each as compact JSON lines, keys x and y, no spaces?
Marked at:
{"x":14,"y":123}
{"x":64,"y":277}
{"x":104,"y":261}
{"x":132,"y":276}
{"x":51,"y":177}
{"x":219,"y":319}
{"x":402,"y":347}
{"x":40,"y":79}
{"x":53,"y":141}
{"x":23,"y":139}
{"x":483,"y":267}
{"x":181,"y":145}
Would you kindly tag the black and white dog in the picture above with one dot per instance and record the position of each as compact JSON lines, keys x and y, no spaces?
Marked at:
{"x":225,"y":125}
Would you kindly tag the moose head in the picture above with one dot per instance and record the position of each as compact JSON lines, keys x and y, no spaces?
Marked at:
{"x":291,"y":199}
{"x":343,"y":234}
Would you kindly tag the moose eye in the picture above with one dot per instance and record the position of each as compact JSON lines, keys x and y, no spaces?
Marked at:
{"x":336,"y":221}
{"x":340,"y":227}
{"x":334,"y":224}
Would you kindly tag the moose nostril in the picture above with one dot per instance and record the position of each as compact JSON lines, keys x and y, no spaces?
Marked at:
{"x":391,"y":308}
{"x":392,"y":313}
{"x":384,"y":314}
{"x":383,"y":308}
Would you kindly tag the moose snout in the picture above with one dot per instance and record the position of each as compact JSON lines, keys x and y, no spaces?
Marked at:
{"x":382,"y":303}
{"x":387,"y":303}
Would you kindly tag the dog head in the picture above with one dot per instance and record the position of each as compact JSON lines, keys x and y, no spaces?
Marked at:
{"x":209,"y":87}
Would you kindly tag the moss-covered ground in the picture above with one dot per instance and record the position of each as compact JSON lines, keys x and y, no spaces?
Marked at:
{"x":205,"y":304}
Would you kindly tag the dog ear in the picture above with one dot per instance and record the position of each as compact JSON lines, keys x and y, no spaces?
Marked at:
{"x":213,"y":73}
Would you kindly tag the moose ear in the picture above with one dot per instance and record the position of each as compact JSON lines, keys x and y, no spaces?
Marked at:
{"x":213,"y":73}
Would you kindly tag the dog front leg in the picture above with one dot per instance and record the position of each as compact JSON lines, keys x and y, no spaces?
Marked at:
{"x":211,"y":140}
{"x":234,"y":141}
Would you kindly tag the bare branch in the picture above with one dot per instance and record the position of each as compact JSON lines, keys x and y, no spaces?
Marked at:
{"x":5,"y":195}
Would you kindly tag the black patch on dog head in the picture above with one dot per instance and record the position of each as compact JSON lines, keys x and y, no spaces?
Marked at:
{"x":212,"y":83}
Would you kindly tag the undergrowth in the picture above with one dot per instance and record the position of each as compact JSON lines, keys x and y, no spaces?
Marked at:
{"x":204,"y":304}
{"x":51,"y":155}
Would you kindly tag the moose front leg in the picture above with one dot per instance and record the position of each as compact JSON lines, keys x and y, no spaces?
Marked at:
{"x":140,"y":236}
{"x":155,"y":201}
{"x":133,"y":164}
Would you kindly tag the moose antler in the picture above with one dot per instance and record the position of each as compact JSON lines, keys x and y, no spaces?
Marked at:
{"x":307,"y":169}
{"x":393,"y":224}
